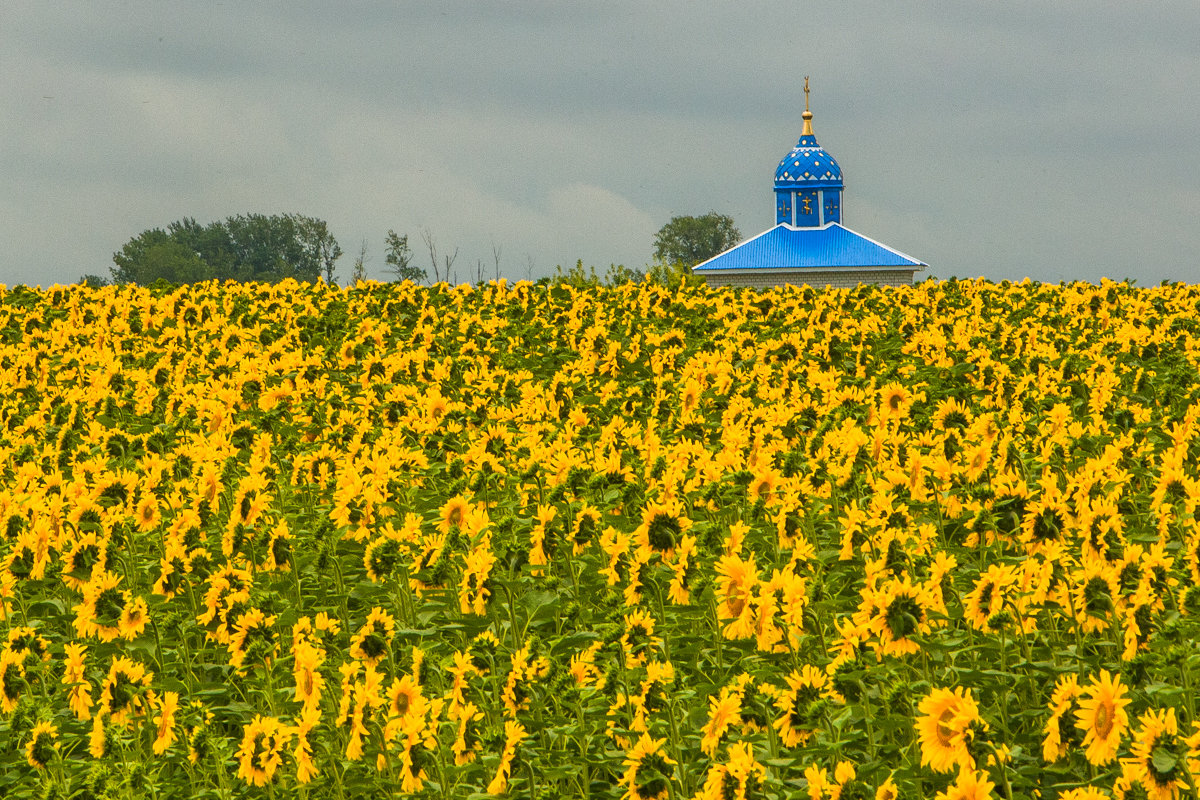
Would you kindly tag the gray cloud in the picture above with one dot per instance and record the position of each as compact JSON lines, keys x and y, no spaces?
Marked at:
{"x":1050,"y":140}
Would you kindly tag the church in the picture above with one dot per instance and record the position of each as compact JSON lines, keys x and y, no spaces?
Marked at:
{"x":809,"y":245}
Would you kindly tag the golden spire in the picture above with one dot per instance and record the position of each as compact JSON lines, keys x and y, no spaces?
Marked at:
{"x":808,"y":131}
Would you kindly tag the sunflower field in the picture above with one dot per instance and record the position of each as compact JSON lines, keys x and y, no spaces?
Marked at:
{"x":540,"y":541}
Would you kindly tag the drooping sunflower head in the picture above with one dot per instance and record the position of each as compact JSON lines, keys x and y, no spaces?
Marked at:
{"x":121,"y":694}
{"x":42,"y":745}
{"x":28,"y":643}
{"x":647,"y":770}
{"x":254,"y":637}
{"x":85,"y":554}
{"x":904,"y":612}
{"x":373,"y":639}
{"x":1162,"y":758}
{"x":12,"y":680}
{"x":380,"y":557}
{"x":662,"y":529}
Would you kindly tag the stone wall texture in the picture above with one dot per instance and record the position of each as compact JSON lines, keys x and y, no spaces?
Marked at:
{"x":815,"y":278}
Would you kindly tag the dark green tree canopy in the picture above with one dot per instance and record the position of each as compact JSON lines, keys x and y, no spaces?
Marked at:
{"x":247,"y":247}
{"x":690,"y":240}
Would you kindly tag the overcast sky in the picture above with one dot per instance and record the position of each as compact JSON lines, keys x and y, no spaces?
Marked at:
{"x":1054,"y":140}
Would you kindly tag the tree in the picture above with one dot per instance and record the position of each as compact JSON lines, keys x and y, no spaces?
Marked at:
{"x":690,"y":240}
{"x":93,"y":281}
{"x":670,"y":274}
{"x":247,"y":247}
{"x":360,"y":265}
{"x":431,"y":244}
{"x":399,"y":259}
{"x":157,"y":254}
{"x":318,"y":244}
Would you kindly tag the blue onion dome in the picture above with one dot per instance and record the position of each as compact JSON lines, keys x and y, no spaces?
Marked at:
{"x":808,"y":165}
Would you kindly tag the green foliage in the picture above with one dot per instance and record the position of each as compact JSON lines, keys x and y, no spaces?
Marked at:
{"x":249,"y":247}
{"x":690,"y":240}
{"x":581,"y":278}
{"x":399,"y":259}
{"x":93,"y":281}
{"x":670,"y":274}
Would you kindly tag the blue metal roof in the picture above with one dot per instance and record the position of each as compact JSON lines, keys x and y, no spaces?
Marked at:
{"x":785,"y":247}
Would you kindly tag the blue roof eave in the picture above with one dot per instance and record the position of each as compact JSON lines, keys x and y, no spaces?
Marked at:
{"x":787,"y":248}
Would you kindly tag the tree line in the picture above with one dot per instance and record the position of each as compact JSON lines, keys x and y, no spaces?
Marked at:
{"x":271,"y":248}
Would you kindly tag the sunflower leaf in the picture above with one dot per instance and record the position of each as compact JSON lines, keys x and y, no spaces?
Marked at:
{"x":1164,"y":760}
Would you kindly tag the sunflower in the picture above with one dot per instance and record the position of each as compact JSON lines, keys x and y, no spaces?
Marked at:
{"x":1173,"y":485}
{"x":133,"y":619}
{"x":638,"y":639}
{"x":737,"y":580}
{"x":969,"y":785}
{"x":467,"y":744}
{"x":259,"y":755}
{"x":27,"y":642}
{"x":801,"y":703}
{"x":1047,"y":519}
{"x":474,"y":586}
{"x":689,"y":399}
{"x":660,"y":531}
{"x":74,"y":676}
{"x":1084,"y":793}
{"x":1160,"y":755}
{"x":1158,"y":568}
{"x":381,"y":557}
{"x":1102,"y":718}
{"x":12,"y":680}
{"x":371,"y":642}
{"x":405,"y":699}
{"x":164,"y":723}
{"x":104,"y":608}
{"x":724,"y":710}
{"x":1061,"y":735}
{"x":172,"y":570}
{"x":887,"y":790}
{"x":99,"y":739}
{"x":985,"y":603}
{"x":1093,"y":598}
{"x":84,"y":555}
{"x":895,"y":402}
{"x":122,"y":692}
{"x":584,"y":528}
{"x":762,"y":485}
{"x":647,"y":770}
{"x":147,"y":514}
{"x":306,"y":673}
{"x":279,"y":548}
{"x":739,"y":778}
{"x":945,"y":728}
{"x":583,"y":669}
{"x":895,"y":614}
{"x":253,"y":636}
{"x":306,"y":770}
{"x":514,"y":734}
{"x":951,"y":414}
{"x":682,"y":568}
{"x":454,"y":513}
{"x":42,"y":745}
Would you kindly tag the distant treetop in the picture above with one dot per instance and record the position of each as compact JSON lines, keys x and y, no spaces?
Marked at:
{"x":690,"y":240}
{"x":249,"y":247}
